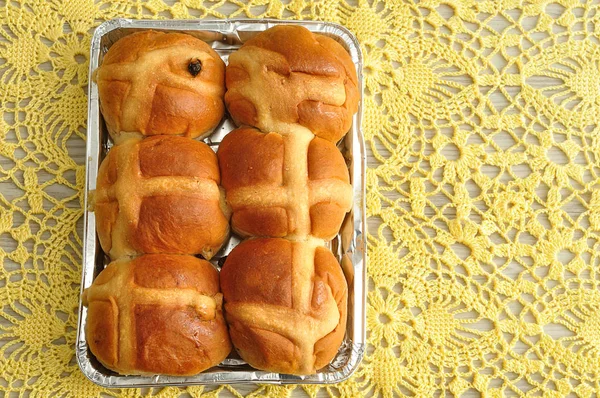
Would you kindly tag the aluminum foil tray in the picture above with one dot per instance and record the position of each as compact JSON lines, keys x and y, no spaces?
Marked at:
{"x":226,"y":36}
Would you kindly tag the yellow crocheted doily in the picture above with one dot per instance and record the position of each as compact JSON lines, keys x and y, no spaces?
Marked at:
{"x":482,"y":122}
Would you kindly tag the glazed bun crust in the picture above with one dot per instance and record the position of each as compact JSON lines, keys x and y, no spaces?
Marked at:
{"x":157,"y":314}
{"x":257,"y":182}
{"x":289,"y":76}
{"x":160,"y":195}
{"x":146,"y":85}
{"x":285,"y":303}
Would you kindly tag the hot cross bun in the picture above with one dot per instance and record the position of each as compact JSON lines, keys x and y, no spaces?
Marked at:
{"x":284,"y":185}
{"x":285,"y":304}
{"x":160,"y":195}
{"x":287,"y":76}
{"x":157,"y":314}
{"x":161,"y":83}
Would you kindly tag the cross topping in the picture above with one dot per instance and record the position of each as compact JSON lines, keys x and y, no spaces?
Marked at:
{"x":123,"y":294}
{"x":297,"y":194}
{"x":142,"y":73}
{"x":131,"y":187}
{"x":296,"y":87}
{"x":303,"y":325}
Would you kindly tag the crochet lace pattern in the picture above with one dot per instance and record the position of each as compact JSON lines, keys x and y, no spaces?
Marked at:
{"x":482,"y":125}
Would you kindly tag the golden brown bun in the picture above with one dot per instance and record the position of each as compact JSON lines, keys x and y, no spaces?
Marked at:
{"x":284,"y":186}
{"x":146,"y":86}
{"x":157,"y":314}
{"x":160,"y":195}
{"x":288,"y":75}
{"x":285,"y":304}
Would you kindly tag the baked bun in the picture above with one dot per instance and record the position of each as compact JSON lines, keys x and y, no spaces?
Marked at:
{"x":285,"y":304}
{"x":288,"y":75}
{"x":284,"y":185}
{"x":160,"y":195}
{"x":157,"y":314}
{"x":161,"y":83}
